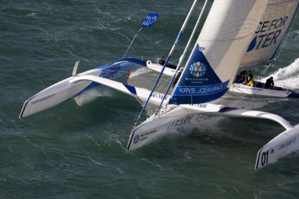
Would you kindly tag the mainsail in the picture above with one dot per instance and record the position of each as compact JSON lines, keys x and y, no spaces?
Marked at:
{"x":269,"y":33}
{"x":218,"y":52}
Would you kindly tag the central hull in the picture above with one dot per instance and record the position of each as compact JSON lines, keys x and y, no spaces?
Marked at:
{"x":153,"y":128}
{"x":241,"y":89}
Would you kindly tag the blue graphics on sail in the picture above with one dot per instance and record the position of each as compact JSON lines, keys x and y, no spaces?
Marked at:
{"x":271,"y":30}
{"x":252,"y":44}
{"x":150,"y":20}
{"x":199,"y":82}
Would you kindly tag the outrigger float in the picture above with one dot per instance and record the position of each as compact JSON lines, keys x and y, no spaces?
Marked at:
{"x":208,"y":74}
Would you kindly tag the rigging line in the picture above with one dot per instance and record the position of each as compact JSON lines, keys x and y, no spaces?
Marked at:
{"x":162,"y":78}
{"x":170,"y":53}
{"x":132,"y":42}
{"x":191,"y":97}
{"x":163,"y":84}
{"x":167,"y":78}
{"x":182,"y":57}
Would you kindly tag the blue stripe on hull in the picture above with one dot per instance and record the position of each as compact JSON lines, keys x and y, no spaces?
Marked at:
{"x":112,"y":71}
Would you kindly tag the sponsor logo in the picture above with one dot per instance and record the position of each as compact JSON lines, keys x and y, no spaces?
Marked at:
{"x":200,"y":105}
{"x":136,"y":139}
{"x":288,"y":143}
{"x":197,"y":69}
{"x":149,"y":20}
{"x":159,"y":96}
{"x":143,"y":136}
{"x":202,"y":90}
{"x":42,"y":99}
{"x":269,"y":32}
{"x":148,"y":133}
{"x":201,"y":48}
{"x":180,"y":122}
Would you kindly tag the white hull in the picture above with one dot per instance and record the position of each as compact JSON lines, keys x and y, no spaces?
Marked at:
{"x":68,"y":88}
{"x":280,"y":146}
{"x":157,"y":67}
{"x":155,"y":127}
{"x":240,"y":89}
{"x":186,"y":115}
{"x":53,"y":95}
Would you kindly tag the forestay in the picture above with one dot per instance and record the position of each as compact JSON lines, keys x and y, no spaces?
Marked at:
{"x":269,"y":33}
{"x":218,"y":52}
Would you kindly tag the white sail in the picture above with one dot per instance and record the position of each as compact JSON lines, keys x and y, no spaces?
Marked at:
{"x":269,"y":33}
{"x":218,"y":52}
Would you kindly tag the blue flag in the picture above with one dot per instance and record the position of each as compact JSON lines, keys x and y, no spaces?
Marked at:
{"x":150,"y":20}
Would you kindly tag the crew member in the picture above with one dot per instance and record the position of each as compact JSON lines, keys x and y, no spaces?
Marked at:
{"x":269,"y":83}
{"x":162,"y":62}
{"x":250,"y":80}
{"x":241,"y":77}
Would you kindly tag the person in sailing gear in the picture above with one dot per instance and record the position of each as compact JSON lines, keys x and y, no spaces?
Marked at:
{"x":162,"y":62}
{"x":269,"y":83}
{"x":241,"y":77}
{"x":250,"y":80}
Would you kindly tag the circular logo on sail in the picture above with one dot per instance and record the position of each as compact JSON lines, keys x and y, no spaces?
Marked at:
{"x":136,"y":139}
{"x":198,"y":69}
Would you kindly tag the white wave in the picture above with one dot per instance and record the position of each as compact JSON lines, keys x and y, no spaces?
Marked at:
{"x":91,"y":95}
{"x":287,"y":77}
{"x":290,"y":83}
{"x":31,"y":14}
{"x":139,"y":71}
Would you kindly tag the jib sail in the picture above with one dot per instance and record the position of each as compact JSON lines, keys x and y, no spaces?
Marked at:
{"x":218,"y":52}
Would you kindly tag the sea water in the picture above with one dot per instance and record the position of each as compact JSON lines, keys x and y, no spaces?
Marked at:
{"x":73,"y":151}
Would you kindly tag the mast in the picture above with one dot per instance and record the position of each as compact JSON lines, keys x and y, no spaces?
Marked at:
{"x":183,"y":55}
{"x":170,"y":53}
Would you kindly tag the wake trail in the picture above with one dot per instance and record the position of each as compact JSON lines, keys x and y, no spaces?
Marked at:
{"x":91,"y":95}
{"x":139,"y":71}
{"x":287,"y":77}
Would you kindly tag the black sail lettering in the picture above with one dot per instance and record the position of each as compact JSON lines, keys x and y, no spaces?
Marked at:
{"x":258,"y":28}
{"x":284,"y":20}
{"x":279,"y":22}
{"x":277,"y":33}
{"x":261,"y":38}
{"x":272,"y":24}
{"x":264,"y":26}
{"x":267,"y":39}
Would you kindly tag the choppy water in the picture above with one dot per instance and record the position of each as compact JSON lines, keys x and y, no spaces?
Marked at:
{"x":75,"y":151}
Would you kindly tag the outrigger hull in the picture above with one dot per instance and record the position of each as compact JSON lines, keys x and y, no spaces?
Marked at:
{"x":280,"y":146}
{"x":68,"y":89}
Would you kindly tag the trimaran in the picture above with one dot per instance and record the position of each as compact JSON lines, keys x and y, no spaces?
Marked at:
{"x":236,"y":35}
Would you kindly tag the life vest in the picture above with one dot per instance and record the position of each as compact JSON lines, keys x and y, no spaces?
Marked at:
{"x":250,"y":81}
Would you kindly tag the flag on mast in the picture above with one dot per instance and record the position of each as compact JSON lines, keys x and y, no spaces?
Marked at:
{"x":150,"y":20}
{"x":147,"y":23}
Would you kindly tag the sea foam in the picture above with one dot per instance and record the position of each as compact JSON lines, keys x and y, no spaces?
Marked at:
{"x":287,"y":77}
